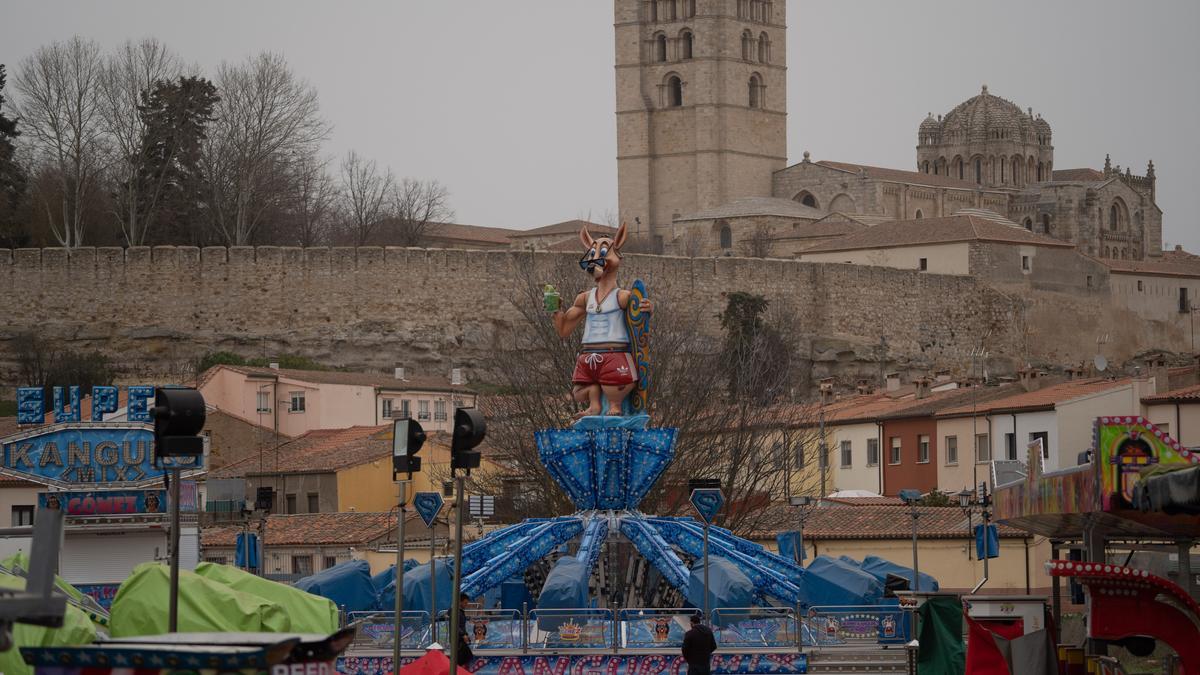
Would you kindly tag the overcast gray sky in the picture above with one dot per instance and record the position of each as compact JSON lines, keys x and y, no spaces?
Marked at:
{"x":510,"y":103}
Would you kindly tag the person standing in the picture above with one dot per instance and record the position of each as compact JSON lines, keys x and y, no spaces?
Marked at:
{"x":464,"y":641}
{"x":698,"y":647}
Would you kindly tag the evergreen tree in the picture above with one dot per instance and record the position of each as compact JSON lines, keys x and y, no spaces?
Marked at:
{"x":12,"y":179}
{"x":176,"y":116}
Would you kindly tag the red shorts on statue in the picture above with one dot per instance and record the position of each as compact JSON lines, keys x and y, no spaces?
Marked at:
{"x":611,"y":369}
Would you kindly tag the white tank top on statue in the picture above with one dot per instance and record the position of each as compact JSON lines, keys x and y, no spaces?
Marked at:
{"x":605,"y":321}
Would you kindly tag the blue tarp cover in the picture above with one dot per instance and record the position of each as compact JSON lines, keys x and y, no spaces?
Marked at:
{"x":348,"y":585}
{"x":385,"y":578}
{"x":417,"y":588}
{"x":728,"y":586}
{"x":829,"y":581}
{"x":880,"y":568}
{"x":566,"y":587}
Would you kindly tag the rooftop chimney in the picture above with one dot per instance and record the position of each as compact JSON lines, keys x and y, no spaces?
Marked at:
{"x":399,"y":372}
{"x":864,"y":387}
{"x":922,"y":386}
{"x":827,"y":390}
{"x":1076,"y":372}
{"x":893,"y":381}
{"x":273,"y":365}
{"x":1030,"y":379}
{"x":1157,"y":368}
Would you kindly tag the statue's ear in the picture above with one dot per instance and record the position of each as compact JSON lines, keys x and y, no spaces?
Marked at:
{"x":622,"y":233}
{"x":586,"y":238}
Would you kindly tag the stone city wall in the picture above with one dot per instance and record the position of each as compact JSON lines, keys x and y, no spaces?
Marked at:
{"x":155,"y":310}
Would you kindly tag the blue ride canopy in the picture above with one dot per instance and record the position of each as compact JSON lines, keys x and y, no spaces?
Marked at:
{"x":880,"y":568}
{"x":829,"y":581}
{"x":348,"y":585}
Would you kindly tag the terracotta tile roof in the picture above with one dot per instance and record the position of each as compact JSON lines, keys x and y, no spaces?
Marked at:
{"x":881,"y":522}
{"x":893,"y":405}
{"x":457,"y":232}
{"x":566,"y":227}
{"x":1179,"y":255}
{"x":865,"y":501}
{"x":900,"y":176}
{"x":378,"y":380}
{"x":321,"y":451}
{"x":1175,"y":267}
{"x":1045,"y":398}
{"x":957,"y":228}
{"x":1077,"y":175}
{"x":318,"y":529}
{"x":756,"y":206}
{"x":1184,"y":395}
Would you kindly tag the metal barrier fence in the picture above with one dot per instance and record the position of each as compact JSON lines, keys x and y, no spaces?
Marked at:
{"x":571,"y":629}
{"x":761,"y":628}
{"x":756,"y":627}
{"x":377,"y":630}
{"x":857,"y":625}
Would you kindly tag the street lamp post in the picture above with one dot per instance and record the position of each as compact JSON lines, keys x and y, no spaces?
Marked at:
{"x":801,"y":502}
{"x":911,"y":497}
{"x":968,"y":501}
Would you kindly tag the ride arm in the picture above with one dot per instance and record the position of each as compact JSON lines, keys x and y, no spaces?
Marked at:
{"x":523,"y":553}
{"x":656,"y":550}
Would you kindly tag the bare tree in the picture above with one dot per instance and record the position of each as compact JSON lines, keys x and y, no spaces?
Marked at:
{"x":365,"y":192}
{"x":267,"y":120}
{"x":60,"y":112}
{"x":417,"y":208}
{"x":749,"y":437}
{"x":760,"y":242}
{"x":126,"y":79}
{"x":314,"y":201}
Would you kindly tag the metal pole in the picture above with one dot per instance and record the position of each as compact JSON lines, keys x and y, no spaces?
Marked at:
{"x":916,"y":566}
{"x":398,"y":634}
{"x":458,"y":533}
{"x":173,"y":611}
{"x":706,"y":617}
{"x":987,"y":544}
{"x":433,"y":581}
{"x":821,"y":447}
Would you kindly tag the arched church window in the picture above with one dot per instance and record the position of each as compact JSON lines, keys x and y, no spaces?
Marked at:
{"x":919,"y":214}
{"x":806,"y":198}
{"x":978,"y":171}
{"x":660,"y":48}
{"x":1046,"y":223}
{"x":686,"y":42}
{"x":764,"y":48}
{"x":747,"y":44}
{"x":926,"y":169}
{"x":1107,"y":253}
{"x":669,"y":14}
{"x":755,"y":91}
{"x":654,"y":10}
{"x":959,"y":165}
{"x":1039,"y":172}
{"x":674,"y":91}
{"x":726,"y":236}
{"x":1029,"y":224}
{"x":1112,"y":217}
{"x":689,"y":8}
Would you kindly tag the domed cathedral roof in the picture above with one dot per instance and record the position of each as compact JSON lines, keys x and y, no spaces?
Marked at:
{"x":930,"y":124}
{"x":977,"y":117}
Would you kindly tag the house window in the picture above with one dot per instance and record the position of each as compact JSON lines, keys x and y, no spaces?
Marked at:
{"x":439,"y":411}
{"x":1010,"y":446}
{"x":1024,"y":263}
{"x":923,"y":264}
{"x":314,"y":504}
{"x":422,"y":410}
{"x":1045,"y":438}
{"x":297,"y":401}
{"x":983,"y":448}
{"x":922,"y":449}
{"x":302,"y":565}
{"x":387,"y":408}
{"x":951,"y":446}
{"x":330,"y":561}
{"x":1139,"y":285}
{"x":290,"y":503}
{"x":847,"y":455}
{"x":404,"y":412}
{"x":22,"y":516}
{"x":894,"y":455}
{"x":264,"y":401}
{"x":1185,"y":305}
{"x":872,"y":452}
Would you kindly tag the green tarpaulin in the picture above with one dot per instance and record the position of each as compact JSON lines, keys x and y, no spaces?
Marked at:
{"x":141,"y":606}
{"x":308,"y":613}
{"x":942,"y":652}
{"x":77,"y":629}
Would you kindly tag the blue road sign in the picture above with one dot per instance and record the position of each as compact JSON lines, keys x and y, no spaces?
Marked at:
{"x":707,"y":502}
{"x":428,"y":505}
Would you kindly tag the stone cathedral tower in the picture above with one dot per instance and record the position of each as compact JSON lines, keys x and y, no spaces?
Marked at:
{"x":701,"y":106}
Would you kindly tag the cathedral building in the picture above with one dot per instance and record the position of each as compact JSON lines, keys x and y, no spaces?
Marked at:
{"x":702,"y":137}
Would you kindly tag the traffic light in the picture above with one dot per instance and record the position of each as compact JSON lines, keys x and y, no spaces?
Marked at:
{"x":469,"y":430}
{"x":178,"y":420}
{"x":407,"y":439}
